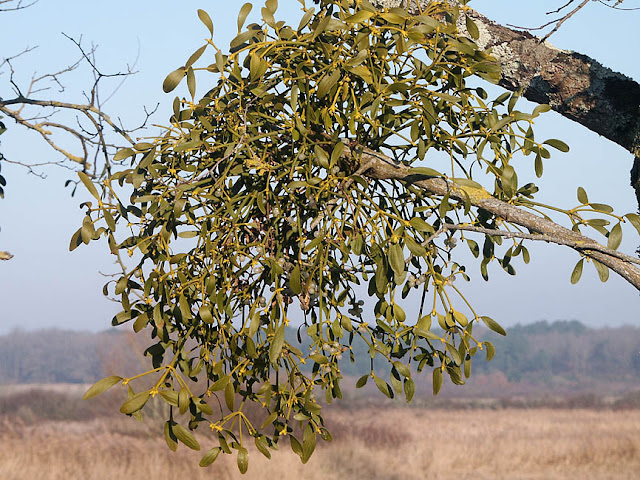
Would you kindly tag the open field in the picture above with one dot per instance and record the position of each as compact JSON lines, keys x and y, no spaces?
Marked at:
{"x":390,"y":443}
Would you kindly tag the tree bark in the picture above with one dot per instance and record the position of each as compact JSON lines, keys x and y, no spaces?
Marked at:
{"x":574,"y":85}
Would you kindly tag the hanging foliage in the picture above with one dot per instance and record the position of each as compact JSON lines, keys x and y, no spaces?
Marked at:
{"x":299,"y":193}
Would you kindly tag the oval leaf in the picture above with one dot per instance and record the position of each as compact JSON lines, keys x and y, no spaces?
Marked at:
{"x":206,"y":19}
{"x":557,"y":144}
{"x":173,"y":79}
{"x":186,"y":437}
{"x":210,"y":457}
{"x":577,"y":272}
{"x":101,"y":386}
{"x":243,"y":460}
{"x":615,"y":237}
{"x":493,"y":325}
{"x":135,"y":403}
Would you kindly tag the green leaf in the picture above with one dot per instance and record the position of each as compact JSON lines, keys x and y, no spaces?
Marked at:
{"x":509,"y":180}
{"x":603,"y":271}
{"x":205,"y":314}
{"x":89,"y":184}
{"x":424,"y":172}
{"x":420,"y":225}
{"x":577,"y":272}
{"x":101,"y":386}
{"x":582,"y":196}
{"x":206,"y":19}
{"x":229,"y":396}
{"x":328,"y":82}
{"x":183,"y":400}
{"x":491,"y":350}
{"x":193,"y":59}
{"x":538,"y":166}
{"x":635,"y":220}
{"x":601,"y":207}
{"x":615,"y":237}
{"x":186,"y":437}
{"x":543,"y":108}
{"x":437,"y":380}
{"x":262,"y":446}
{"x":191,"y":82}
{"x":557,"y":144}
{"x":359,"y":17}
{"x":169,"y":436}
{"x":210,"y":457}
{"x":243,"y":460}
{"x":242,"y":16}
{"x":403,"y":369}
{"x":135,"y":403}
{"x":295,"y":445}
{"x":219,"y":384}
{"x":276,"y":345}
{"x":123,"y":153}
{"x":306,"y":18}
{"x":396,"y":259}
{"x":493,"y":325}
{"x":409,"y":389}
{"x":173,"y":79}
{"x":322,"y":158}
{"x":141,"y":322}
{"x":362,"y":381}
{"x":472,"y":28}
{"x":383,"y":386}
{"x":308,"y":443}
{"x":414,"y":247}
{"x":294,"y":280}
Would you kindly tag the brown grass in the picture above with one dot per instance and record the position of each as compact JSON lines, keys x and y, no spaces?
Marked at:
{"x":389,"y":444}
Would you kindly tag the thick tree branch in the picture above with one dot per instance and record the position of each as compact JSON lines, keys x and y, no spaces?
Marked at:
{"x":379,"y":166}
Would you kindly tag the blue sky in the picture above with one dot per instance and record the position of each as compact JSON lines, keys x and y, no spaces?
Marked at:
{"x":46,"y":286}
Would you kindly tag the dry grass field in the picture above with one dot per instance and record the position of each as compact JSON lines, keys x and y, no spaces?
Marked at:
{"x":385,"y":444}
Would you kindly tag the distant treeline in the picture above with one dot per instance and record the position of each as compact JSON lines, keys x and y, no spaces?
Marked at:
{"x":543,"y":353}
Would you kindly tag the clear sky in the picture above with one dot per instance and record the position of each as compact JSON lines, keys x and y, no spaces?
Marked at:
{"x":46,"y":286}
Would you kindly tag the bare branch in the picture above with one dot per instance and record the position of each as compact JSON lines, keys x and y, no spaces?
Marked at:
{"x":94,"y":128}
{"x":18,"y":6}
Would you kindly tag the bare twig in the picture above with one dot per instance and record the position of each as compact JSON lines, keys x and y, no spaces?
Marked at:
{"x":94,"y":127}
{"x":19,"y":6}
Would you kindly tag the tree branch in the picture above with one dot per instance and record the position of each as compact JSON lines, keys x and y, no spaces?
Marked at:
{"x":574,"y":85}
{"x":382,"y":167}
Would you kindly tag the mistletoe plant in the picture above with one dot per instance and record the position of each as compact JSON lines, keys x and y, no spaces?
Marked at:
{"x":300,"y":189}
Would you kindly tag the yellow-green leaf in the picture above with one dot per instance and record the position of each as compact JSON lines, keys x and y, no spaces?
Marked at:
{"x":186,"y":437}
{"x":557,"y":144}
{"x":615,"y":237}
{"x":243,"y":460}
{"x":173,"y":80}
{"x":242,"y":16}
{"x":101,"y":386}
{"x":577,"y":272}
{"x":89,"y":184}
{"x":276,"y":344}
{"x":493,"y":325}
{"x":135,"y":403}
{"x":437,"y":380}
{"x":210,"y":457}
{"x":206,"y":19}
